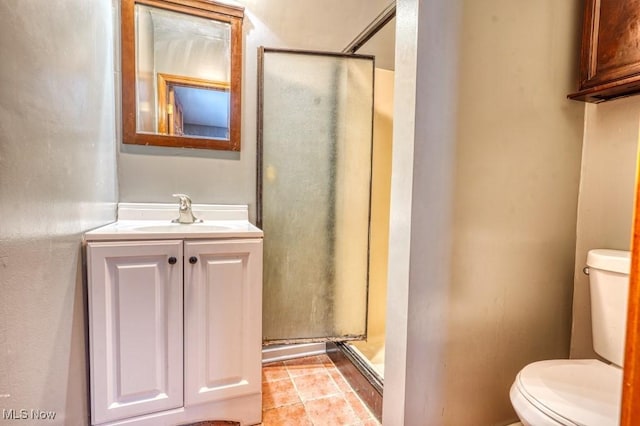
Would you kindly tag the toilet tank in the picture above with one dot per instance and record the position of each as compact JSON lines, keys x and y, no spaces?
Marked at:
{"x":609,"y":285}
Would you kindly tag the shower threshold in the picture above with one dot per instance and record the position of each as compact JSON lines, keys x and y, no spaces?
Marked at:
{"x":360,"y":374}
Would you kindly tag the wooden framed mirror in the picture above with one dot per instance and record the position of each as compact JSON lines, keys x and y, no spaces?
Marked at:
{"x":181,"y":73}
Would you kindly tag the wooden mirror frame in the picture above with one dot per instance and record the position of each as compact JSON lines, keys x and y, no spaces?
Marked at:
{"x":232,"y":15}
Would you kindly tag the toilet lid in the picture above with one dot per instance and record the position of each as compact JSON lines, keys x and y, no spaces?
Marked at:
{"x":581,"y":392}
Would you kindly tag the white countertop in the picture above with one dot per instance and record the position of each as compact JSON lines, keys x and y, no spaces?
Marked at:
{"x":151,"y":221}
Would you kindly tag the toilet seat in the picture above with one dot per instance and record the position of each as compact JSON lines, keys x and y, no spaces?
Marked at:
{"x":569,"y":392}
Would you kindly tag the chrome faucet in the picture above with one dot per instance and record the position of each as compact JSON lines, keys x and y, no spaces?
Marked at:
{"x":185,"y":213}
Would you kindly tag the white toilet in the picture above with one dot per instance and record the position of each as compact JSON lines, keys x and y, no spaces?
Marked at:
{"x":583,"y":392}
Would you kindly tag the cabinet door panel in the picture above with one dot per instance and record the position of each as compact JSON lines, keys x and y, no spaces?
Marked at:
{"x":135,"y":309}
{"x":613,"y":51}
{"x":610,"y":58}
{"x":223,"y":297}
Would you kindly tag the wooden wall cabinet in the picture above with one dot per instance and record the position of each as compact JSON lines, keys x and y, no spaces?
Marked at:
{"x":610,"y":55}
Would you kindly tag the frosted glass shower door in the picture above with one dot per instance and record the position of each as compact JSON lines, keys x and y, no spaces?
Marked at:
{"x":314,"y":186}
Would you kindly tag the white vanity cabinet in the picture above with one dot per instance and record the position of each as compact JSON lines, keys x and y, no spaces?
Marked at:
{"x":175,"y":330}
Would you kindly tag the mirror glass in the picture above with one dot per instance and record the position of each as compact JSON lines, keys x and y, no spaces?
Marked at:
{"x":182,"y":74}
{"x":181,"y":67}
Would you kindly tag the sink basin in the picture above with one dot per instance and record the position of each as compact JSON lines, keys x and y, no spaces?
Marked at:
{"x":181,"y":227}
{"x":148,"y":221}
{"x":160,"y":229}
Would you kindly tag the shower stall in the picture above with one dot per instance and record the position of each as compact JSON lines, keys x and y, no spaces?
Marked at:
{"x":324,"y":174}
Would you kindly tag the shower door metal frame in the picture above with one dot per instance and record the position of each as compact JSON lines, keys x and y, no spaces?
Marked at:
{"x":259,"y":176}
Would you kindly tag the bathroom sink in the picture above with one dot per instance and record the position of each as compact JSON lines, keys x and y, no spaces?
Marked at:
{"x":165,"y":229}
{"x":179,"y":227}
{"x":153,"y":221}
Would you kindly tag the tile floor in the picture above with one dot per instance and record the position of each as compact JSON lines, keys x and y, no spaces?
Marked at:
{"x":310,"y":391}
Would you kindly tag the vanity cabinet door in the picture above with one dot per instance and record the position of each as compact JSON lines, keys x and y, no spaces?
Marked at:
{"x":135,"y":323}
{"x":610,"y":58}
{"x":223,"y":313}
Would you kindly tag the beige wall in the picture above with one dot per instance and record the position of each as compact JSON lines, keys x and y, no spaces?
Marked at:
{"x":152,"y":174}
{"x":353,"y":152}
{"x":57,"y":179}
{"x":605,"y":204}
{"x":380,"y":202}
{"x":496,"y":151}
{"x":373,"y":347}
